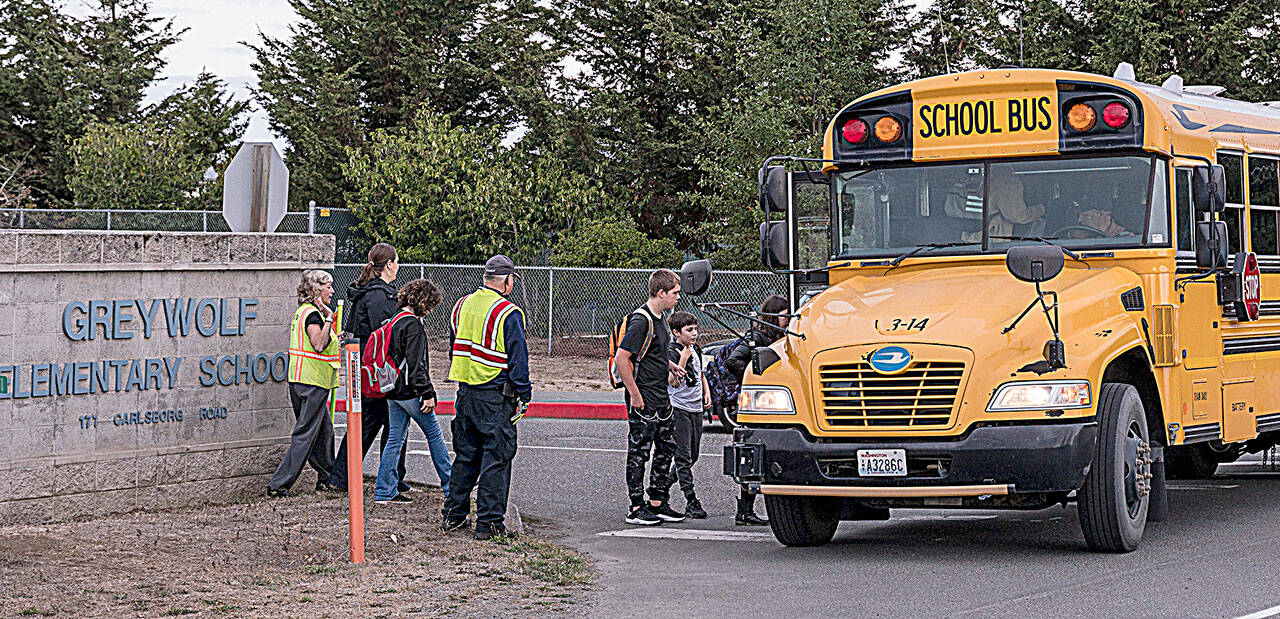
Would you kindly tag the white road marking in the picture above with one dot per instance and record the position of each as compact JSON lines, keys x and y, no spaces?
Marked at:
{"x":1202,"y":486}
{"x":662,"y":532}
{"x":1274,"y":611}
{"x":598,"y":449}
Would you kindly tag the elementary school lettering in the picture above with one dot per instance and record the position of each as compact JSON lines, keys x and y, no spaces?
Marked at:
{"x":942,"y":120}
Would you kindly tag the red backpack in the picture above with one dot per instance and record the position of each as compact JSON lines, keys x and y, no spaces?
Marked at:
{"x":378,"y":371}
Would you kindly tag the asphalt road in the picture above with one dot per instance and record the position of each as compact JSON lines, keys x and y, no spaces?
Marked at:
{"x":1217,"y":556}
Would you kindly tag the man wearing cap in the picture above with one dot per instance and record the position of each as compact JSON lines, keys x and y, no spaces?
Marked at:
{"x":491,"y":364}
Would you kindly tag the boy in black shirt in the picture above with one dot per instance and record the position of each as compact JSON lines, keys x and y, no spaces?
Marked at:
{"x":643,"y":365}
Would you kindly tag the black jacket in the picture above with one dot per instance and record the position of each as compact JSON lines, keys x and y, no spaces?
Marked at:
{"x":740,"y":357}
{"x":408,"y":346}
{"x":370,"y":305}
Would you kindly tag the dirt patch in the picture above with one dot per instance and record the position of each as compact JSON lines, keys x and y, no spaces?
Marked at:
{"x":556,"y":373}
{"x":282,"y":558}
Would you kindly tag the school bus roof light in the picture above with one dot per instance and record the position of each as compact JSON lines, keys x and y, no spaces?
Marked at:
{"x":1082,"y":117}
{"x":855,"y":131}
{"x":1115,"y":115}
{"x":888,"y":129}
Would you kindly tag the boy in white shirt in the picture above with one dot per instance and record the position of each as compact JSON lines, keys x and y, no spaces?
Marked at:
{"x":689,"y":396}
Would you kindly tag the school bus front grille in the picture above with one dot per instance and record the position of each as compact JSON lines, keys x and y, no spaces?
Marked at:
{"x":856,"y":396}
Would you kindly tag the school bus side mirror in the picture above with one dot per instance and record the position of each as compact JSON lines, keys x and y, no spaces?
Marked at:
{"x":773,"y":189}
{"x":695,"y":277}
{"x":773,"y":246}
{"x":1211,"y":245}
{"x":1034,"y":263}
{"x":1209,"y":189}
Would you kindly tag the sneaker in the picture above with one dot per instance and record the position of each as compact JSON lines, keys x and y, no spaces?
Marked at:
{"x":643,"y":517}
{"x":399,"y":498}
{"x":277,"y":494}
{"x":749,"y":519}
{"x":694,"y":509}
{"x":665,"y":512}
{"x":486,"y":532}
{"x":325,"y":486}
{"x":461,"y":524}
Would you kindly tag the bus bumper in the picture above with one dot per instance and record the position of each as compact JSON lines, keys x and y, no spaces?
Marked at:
{"x":989,"y":461}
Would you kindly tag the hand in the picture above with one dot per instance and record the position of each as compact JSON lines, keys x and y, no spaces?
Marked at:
{"x":325,"y":312}
{"x":637,"y":400}
{"x":706,"y":402}
{"x":1101,"y":221}
{"x":428,"y":404}
{"x":675,"y":369}
{"x":686,"y":354}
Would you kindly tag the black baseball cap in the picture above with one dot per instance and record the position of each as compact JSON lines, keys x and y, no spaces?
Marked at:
{"x":498,"y":266}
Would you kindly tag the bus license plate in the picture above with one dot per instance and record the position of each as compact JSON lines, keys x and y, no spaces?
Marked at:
{"x":882,"y":462}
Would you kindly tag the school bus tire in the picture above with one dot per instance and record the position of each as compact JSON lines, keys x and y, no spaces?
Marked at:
{"x":728,"y":416}
{"x":803,"y":520}
{"x":1114,"y":500}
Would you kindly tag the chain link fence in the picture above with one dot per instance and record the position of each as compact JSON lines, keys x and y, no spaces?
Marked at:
{"x":570,"y":311}
{"x":137,"y":220}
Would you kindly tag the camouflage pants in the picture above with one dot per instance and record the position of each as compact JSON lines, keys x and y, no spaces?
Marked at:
{"x":650,"y":429}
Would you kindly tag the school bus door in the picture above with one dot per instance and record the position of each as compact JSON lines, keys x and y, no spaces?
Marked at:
{"x":1199,"y":315}
{"x":809,"y":223}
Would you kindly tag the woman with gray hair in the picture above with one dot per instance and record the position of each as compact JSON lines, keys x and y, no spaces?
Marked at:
{"x":313,"y":373}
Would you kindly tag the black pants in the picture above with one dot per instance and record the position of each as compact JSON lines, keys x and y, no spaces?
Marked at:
{"x":650,"y":429}
{"x":484,"y":444}
{"x":312,"y":439}
{"x":373,"y":419}
{"x":688,"y":433}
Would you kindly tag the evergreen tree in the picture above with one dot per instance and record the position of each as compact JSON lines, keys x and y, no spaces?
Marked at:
{"x":122,"y":46}
{"x":208,"y":121}
{"x":349,"y":68}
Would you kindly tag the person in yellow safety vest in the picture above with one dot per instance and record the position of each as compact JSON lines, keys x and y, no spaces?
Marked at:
{"x":491,"y":364}
{"x":313,"y":373}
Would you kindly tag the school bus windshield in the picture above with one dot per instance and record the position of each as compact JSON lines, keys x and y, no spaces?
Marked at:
{"x":1102,"y":202}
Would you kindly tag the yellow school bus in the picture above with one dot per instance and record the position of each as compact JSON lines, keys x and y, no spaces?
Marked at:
{"x":1017,"y":288}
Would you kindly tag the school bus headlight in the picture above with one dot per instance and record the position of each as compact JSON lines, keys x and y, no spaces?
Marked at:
{"x":766,"y":401}
{"x":1041,"y":395}
{"x":888,"y":129}
{"x":1082,"y":117}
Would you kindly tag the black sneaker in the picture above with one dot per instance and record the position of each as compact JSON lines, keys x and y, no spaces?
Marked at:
{"x":486,"y":532}
{"x":325,"y":486}
{"x":277,"y":494}
{"x":694,"y":509}
{"x":399,"y":498}
{"x":749,"y":519}
{"x":461,"y":524}
{"x":643,"y":517}
{"x":667,"y":514}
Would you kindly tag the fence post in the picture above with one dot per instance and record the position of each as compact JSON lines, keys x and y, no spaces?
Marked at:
{"x":311,"y":217}
{"x":551,"y":304}
{"x":204,"y":221}
{"x":108,"y":219}
{"x":22,"y":217}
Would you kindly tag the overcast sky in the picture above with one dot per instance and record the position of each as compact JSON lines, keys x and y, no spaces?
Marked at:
{"x":212,"y":43}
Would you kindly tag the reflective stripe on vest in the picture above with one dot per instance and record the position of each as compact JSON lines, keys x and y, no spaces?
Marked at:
{"x":307,"y":366}
{"x":479,"y":343}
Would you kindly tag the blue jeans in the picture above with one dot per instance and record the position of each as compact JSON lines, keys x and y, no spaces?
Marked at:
{"x":398,"y":414}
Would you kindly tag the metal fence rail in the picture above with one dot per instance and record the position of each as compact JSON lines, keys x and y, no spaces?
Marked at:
{"x":570,"y":311}
{"x":136,"y":220}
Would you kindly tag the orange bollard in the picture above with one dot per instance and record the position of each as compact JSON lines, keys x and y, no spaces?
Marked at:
{"x":355,"y":464}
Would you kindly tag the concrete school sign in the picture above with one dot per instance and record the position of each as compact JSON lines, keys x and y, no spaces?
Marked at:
{"x":143,"y":370}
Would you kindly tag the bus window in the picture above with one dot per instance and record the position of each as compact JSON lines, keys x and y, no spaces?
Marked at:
{"x":1233,"y":165}
{"x":1264,"y":201}
{"x":1184,"y":209}
{"x":903,"y":207}
{"x":1102,"y":201}
{"x":1158,"y":228}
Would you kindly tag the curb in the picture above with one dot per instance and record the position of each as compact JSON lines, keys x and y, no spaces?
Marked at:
{"x":562,"y":410}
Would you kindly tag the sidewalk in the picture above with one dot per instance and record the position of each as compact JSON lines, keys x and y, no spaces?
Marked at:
{"x":606,"y":405}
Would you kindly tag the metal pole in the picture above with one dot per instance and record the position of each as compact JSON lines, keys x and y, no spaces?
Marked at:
{"x":108,"y":219}
{"x":204,"y":221}
{"x":22,"y":217}
{"x":551,"y":304}
{"x":311,"y":217}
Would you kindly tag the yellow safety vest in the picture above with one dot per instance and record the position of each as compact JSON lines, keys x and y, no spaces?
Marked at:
{"x":479,"y":342}
{"x":307,"y":366}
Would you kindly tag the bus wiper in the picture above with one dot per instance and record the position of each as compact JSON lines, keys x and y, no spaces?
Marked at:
{"x":815,"y":270}
{"x":1047,"y":240}
{"x":927,"y":246}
